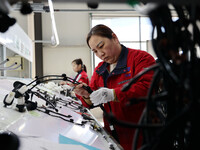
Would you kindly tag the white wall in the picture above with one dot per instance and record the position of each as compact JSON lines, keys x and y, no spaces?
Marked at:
{"x":22,"y":20}
{"x":58,"y":60}
{"x":72,"y":28}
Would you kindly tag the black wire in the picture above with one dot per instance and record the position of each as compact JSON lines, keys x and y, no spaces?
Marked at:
{"x":164,"y":39}
{"x":60,"y":116}
{"x":178,"y":120}
{"x":71,"y":102}
{"x":144,"y":117}
{"x":113,"y":120}
{"x":49,"y":102}
{"x":116,"y":121}
{"x":149,"y":100}
{"x":66,"y":103}
{"x":74,"y":107}
{"x":89,"y":90}
{"x":137,"y":131}
{"x":164,"y":62}
{"x":47,"y":76}
{"x":44,"y":82}
{"x":158,"y":97}
{"x":177,"y":37}
{"x":133,"y":80}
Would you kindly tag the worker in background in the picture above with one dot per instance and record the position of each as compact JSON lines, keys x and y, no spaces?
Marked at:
{"x":119,"y":65}
{"x":81,"y":70}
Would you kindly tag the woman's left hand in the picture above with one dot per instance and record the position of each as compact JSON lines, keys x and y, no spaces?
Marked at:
{"x":102,"y":95}
{"x":79,"y":90}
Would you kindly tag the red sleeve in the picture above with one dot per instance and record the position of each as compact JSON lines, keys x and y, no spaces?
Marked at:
{"x":84,"y":78}
{"x":95,"y":81}
{"x":140,"y":88}
{"x":82,"y":101}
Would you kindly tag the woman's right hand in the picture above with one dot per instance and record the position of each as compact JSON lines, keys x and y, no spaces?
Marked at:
{"x":79,"y":90}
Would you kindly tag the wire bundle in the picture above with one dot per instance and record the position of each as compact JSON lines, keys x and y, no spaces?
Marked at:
{"x":174,"y":89}
{"x":170,"y":119}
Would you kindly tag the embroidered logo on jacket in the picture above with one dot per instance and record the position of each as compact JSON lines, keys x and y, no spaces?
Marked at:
{"x":128,"y":73}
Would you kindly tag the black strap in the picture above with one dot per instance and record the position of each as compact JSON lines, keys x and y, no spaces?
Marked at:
{"x":112,"y":128}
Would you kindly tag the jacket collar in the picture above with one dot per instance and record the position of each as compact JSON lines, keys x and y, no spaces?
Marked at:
{"x":80,"y":71}
{"x":121,"y":64}
{"x":77,"y":74}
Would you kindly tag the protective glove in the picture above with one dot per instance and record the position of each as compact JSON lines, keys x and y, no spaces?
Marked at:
{"x":102,"y":95}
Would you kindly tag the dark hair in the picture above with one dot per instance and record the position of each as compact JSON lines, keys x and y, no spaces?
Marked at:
{"x":100,"y":30}
{"x":80,"y":62}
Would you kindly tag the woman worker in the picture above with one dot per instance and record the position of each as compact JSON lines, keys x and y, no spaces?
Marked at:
{"x":119,"y":65}
{"x":80,"y":68}
{"x":81,"y":76}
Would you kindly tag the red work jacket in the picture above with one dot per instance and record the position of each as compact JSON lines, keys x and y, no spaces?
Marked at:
{"x":82,"y":77}
{"x":130,"y":63}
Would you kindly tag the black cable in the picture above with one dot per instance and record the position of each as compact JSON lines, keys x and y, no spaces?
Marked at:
{"x":158,"y":97}
{"x":179,"y":119}
{"x":137,"y":131}
{"x":116,"y":121}
{"x":144,"y":119}
{"x":113,"y":120}
{"x":164,"y":38}
{"x":47,"y":76}
{"x":67,"y":103}
{"x":150,"y":102}
{"x":59,"y":77}
{"x":40,"y":96}
{"x":61,"y":116}
{"x":181,"y":94}
{"x":54,"y":79}
{"x":133,"y":80}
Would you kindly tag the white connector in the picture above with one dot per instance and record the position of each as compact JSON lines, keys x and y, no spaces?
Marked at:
{"x":23,"y":89}
{"x":9,"y":98}
{"x":21,"y":101}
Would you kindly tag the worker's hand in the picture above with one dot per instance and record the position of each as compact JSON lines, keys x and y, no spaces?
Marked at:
{"x":70,"y":84}
{"x":79,"y":90}
{"x":63,"y":83}
{"x":102,"y":95}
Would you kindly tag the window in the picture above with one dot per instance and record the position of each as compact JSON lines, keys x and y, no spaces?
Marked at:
{"x":133,"y":32}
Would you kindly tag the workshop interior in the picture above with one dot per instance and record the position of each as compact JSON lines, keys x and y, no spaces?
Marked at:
{"x":40,"y":38}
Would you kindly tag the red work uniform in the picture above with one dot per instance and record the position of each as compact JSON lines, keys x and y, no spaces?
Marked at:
{"x":130,"y":63}
{"x":81,"y":77}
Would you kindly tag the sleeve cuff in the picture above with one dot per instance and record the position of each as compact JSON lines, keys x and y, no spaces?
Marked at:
{"x":87,"y":100}
{"x":115,"y":96}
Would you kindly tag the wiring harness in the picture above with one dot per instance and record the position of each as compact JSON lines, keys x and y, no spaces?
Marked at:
{"x":170,"y":118}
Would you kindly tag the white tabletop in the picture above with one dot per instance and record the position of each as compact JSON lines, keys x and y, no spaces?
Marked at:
{"x":45,"y":131}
